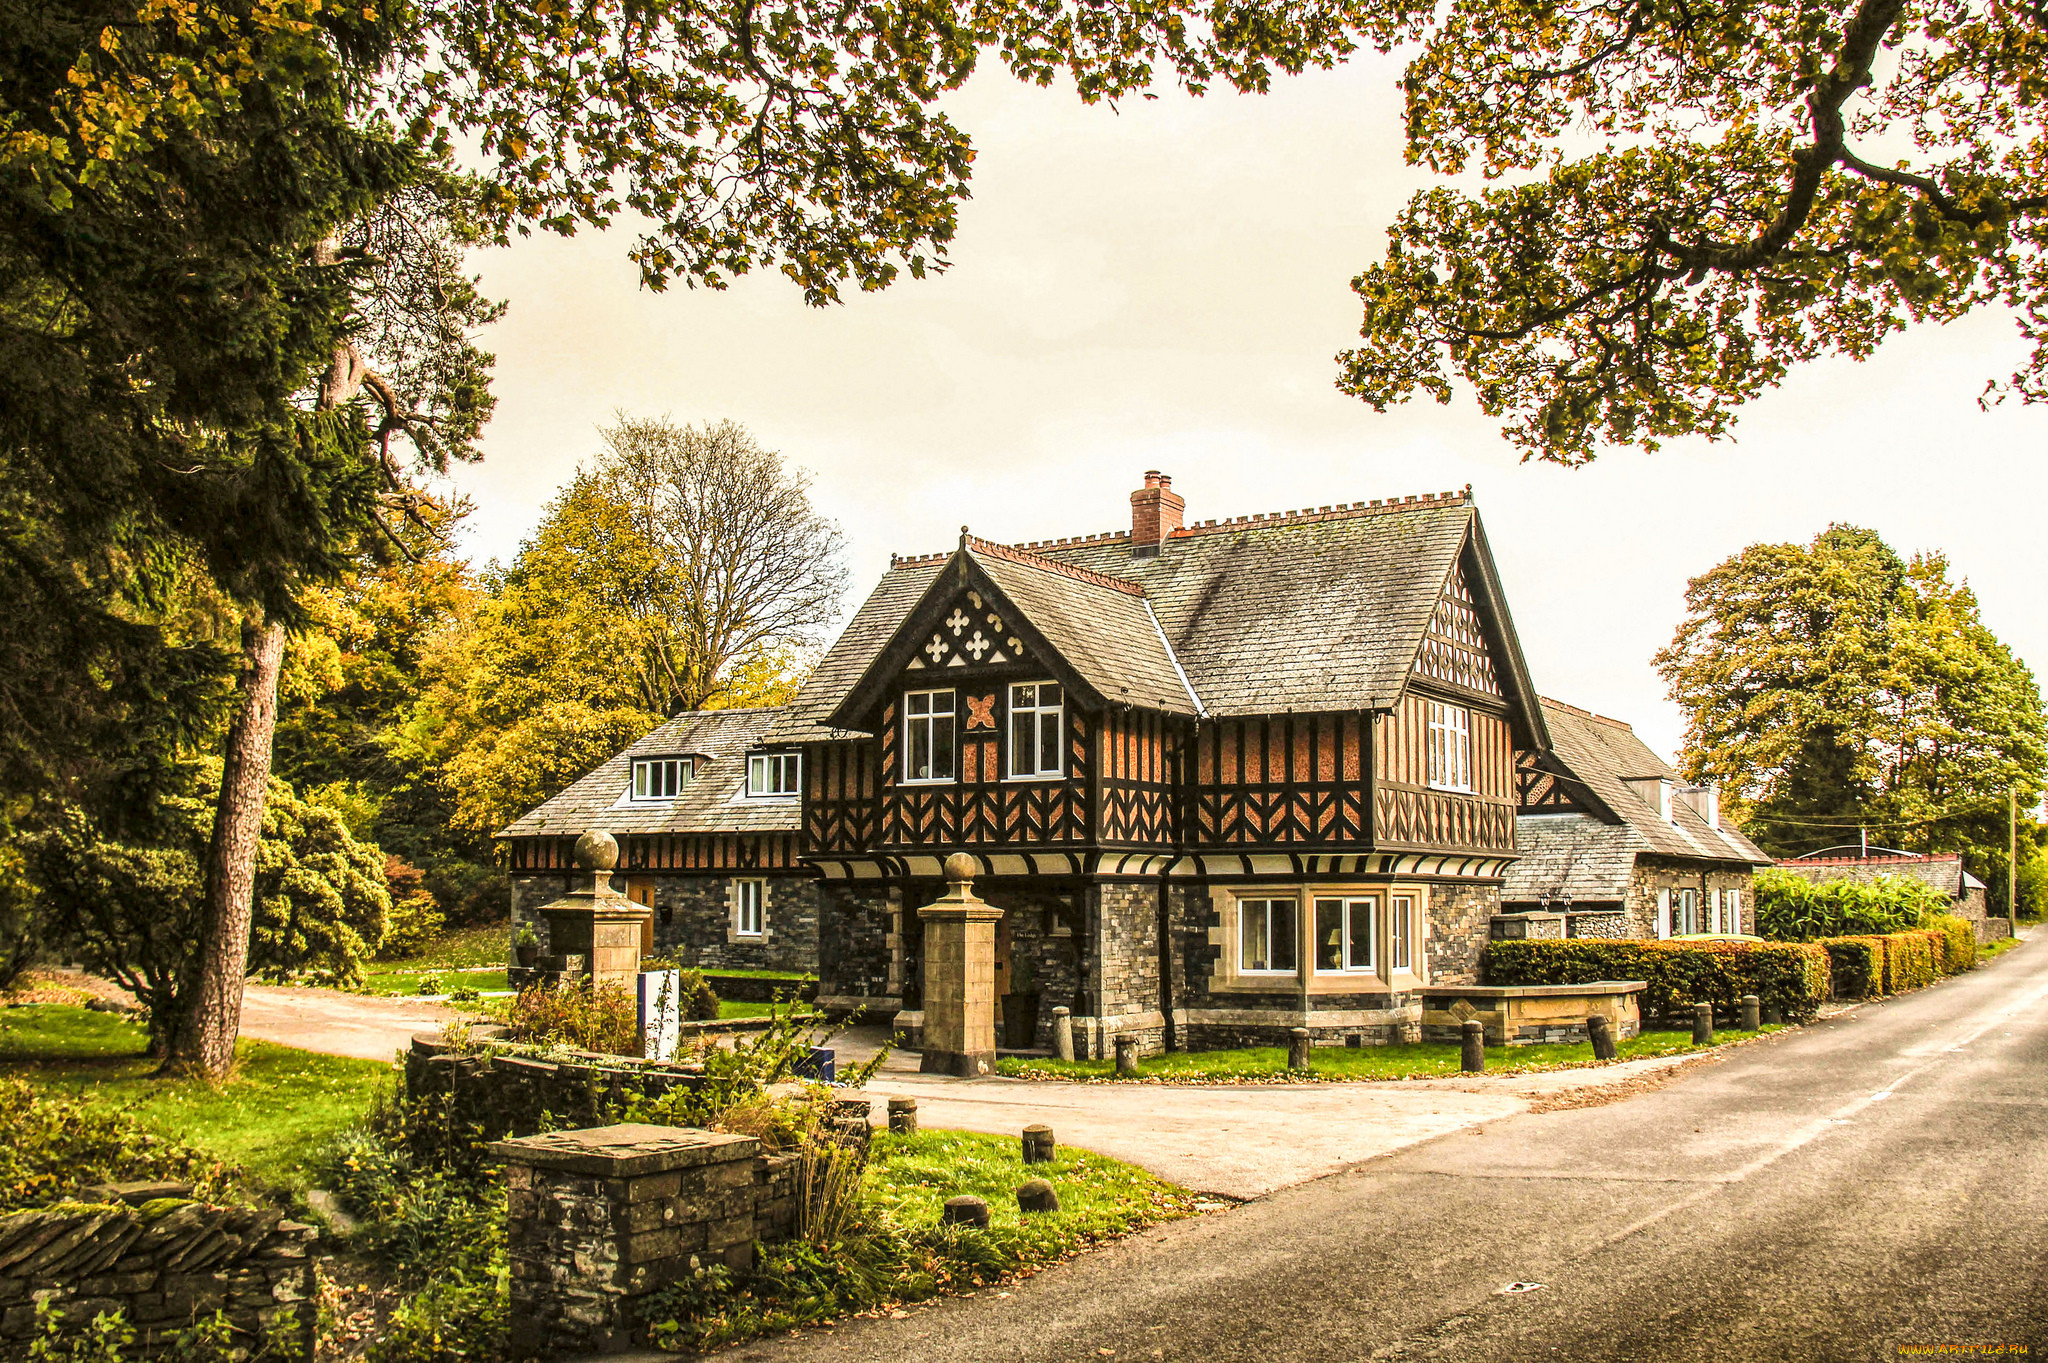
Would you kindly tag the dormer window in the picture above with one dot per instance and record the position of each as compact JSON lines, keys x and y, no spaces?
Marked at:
{"x":661,"y":778}
{"x":928,"y":736}
{"x":773,"y":773}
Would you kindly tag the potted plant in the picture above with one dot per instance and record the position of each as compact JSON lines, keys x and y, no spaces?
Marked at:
{"x":526,"y":946}
{"x":1020,"y":1006}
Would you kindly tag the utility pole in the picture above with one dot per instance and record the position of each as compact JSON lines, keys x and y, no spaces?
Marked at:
{"x":2012,"y":860}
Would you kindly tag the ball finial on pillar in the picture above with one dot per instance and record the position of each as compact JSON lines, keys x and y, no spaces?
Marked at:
{"x":597,"y":851}
{"x":961,"y":868}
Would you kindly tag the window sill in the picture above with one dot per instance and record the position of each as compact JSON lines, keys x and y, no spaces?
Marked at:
{"x":929,"y":781}
{"x":1040,"y":779}
{"x":1452,"y":790}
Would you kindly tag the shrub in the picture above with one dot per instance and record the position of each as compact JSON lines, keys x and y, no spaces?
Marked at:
{"x":1791,"y":908}
{"x":56,"y":1146}
{"x":1856,"y":965}
{"x":1792,"y":977}
{"x":605,"y":1018}
{"x":700,"y":1001}
{"x":1959,"y":945}
{"x":415,"y":922}
{"x":1910,"y":961}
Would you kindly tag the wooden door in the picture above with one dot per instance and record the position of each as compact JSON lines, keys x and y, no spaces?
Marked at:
{"x":640,"y":889}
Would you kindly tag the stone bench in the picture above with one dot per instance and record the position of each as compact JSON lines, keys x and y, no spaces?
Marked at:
{"x":1531,"y":1014}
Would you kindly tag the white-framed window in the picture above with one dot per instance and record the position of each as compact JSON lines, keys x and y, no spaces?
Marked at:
{"x":1037,"y":719}
{"x":928,"y":736}
{"x":1266,"y":939}
{"x":1347,"y":934}
{"x":1688,"y":912}
{"x":774,"y":773}
{"x":1732,"y":906}
{"x":1401,"y":933}
{"x":747,"y":896}
{"x":1450,"y":747}
{"x":661,"y":778}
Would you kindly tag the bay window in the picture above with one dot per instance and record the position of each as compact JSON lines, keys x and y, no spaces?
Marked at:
{"x":1347,"y":934}
{"x":1266,"y":936}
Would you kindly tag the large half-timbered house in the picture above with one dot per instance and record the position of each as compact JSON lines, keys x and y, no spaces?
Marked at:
{"x":1223,"y":778}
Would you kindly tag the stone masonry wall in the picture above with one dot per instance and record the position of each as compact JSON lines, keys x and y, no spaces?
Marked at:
{"x":1125,"y":916}
{"x":1672,"y":873}
{"x":162,"y":1265}
{"x":1460,"y":922}
{"x":693,"y":922}
{"x":858,"y":924}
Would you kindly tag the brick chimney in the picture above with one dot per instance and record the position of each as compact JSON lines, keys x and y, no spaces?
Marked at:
{"x":1155,"y":513}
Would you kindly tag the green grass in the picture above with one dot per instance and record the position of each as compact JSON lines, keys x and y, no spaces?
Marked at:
{"x":462,"y":949}
{"x":1997,"y":948}
{"x":758,"y":974}
{"x":281,"y":1107}
{"x":737,"y":1008}
{"x":1423,"y":1060}
{"x":408,"y":981}
{"x":898,"y":1251}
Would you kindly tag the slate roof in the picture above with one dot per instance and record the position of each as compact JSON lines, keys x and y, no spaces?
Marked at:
{"x":1943,"y":873}
{"x":1605,"y":753}
{"x":715,"y":802}
{"x":1322,"y":609}
{"x":1575,"y":856}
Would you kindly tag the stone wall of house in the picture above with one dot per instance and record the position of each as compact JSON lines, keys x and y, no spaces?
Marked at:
{"x":1124,"y":976}
{"x":863,"y":947}
{"x":1460,"y":923}
{"x":529,"y":892}
{"x":162,"y":1265}
{"x":1654,"y":873}
{"x":1042,"y":921}
{"x":694,"y":923}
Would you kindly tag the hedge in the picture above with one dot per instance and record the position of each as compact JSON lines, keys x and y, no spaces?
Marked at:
{"x":1857,"y":965}
{"x":1790,"y":976}
{"x":1912,"y":960}
{"x":1960,"y":944}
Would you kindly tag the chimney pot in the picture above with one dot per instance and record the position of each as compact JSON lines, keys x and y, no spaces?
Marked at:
{"x":1156,"y":511}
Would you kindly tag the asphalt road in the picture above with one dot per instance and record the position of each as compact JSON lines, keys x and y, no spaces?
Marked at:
{"x":1846,"y":1191}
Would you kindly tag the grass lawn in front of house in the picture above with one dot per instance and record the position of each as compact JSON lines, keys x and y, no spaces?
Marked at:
{"x":485,"y":979}
{"x":460,"y":949}
{"x":280,"y":1108}
{"x":898,"y":1252}
{"x":791,"y":975}
{"x":1419,"y":1060}
{"x":740,"y":1008}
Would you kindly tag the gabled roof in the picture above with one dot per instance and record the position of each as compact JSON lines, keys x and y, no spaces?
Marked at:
{"x":714,"y":802}
{"x":1943,"y":873}
{"x":1313,"y":610}
{"x":1605,"y":754}
{"x":1097,"y":632}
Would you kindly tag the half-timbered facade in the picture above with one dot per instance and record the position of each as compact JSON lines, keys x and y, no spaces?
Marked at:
{"x":1224,"y":778}
{"x":708,"y":816}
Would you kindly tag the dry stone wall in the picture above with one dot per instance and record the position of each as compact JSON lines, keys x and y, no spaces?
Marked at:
{"x":162,"y":1265}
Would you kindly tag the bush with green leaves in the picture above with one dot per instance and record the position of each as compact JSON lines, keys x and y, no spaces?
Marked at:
{"x":742,"y":1072}
{"x":57,"y":1145}
{"x":589,"y":1017}
{"x":1791,"y":908}
{"x":1856,"y":965}
{"x":1791,"y":977}
{"x":1959,"y":943}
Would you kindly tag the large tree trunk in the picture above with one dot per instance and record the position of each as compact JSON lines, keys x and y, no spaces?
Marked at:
{"x":212,"y":1006}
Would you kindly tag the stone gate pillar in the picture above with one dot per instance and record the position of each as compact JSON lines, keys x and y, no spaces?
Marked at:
{"x":595,"y":930}
{"x":959,"y":976}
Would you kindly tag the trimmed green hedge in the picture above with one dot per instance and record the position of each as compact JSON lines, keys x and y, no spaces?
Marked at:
{"x":1857,"y":965}
{"x":1791,"y":976}
{"x":1959,"y":944}
{"x":1911,"y":960}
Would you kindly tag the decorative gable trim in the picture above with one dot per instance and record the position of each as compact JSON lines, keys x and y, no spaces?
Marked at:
{"x":1473,"y":574}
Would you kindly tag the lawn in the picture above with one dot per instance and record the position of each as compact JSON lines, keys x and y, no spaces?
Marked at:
{"x":281,"y":1106}
{"x":462,"y":949}
{"x":757,"y":974}
{"x":898,"y":1252}
{"x":1423,"y":1060}
{"x":484,"y":979}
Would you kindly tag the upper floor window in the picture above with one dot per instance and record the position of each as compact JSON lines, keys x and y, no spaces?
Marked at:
{"x":661,"y":778}
{"x":1265,"y":936}
{"x":1037,"y":711}
{"x":774,"y":773}
{"x":1450,"y":747}
{"x":928,"y":736}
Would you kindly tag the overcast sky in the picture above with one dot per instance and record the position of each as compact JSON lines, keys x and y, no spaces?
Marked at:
{"x":1165,"y":286}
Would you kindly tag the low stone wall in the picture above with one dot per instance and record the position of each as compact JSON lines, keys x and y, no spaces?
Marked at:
{"x":162,"y":1265}
{"x":1530,"y":1015}
{"x":500,"y":1093}
{"x":597,"y":1219}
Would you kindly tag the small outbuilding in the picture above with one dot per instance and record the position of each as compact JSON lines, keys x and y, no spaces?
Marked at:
{"x":1615,"y":844}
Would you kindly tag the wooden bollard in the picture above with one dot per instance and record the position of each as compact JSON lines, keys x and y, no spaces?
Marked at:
{"x":965,"y":1211}
{"x":1703,"y":1024}
{"x":1601,"y":1034}
{"x":1063,"y":1033}
{"x":1038,"y":1144}
{"x":903,"y":1116}
{"x":1472,"y":1059}
{"x":1126,"y":1054}
{"x":1037,"y":1195}
{"x":1297,"y":1048}
{"x":1752,"y":1013}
